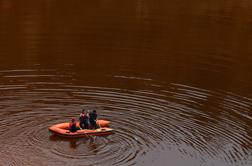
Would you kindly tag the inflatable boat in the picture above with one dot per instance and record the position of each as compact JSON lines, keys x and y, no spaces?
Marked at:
{"x":62,"y":129}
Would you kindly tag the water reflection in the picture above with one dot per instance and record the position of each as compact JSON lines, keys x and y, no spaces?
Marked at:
{"x":75,"y":143}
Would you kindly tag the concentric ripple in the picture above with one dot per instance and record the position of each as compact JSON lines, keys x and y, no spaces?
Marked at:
{"x":178,"y":122}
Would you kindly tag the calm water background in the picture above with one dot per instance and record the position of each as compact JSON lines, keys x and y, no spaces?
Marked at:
{"x":173,"y":76}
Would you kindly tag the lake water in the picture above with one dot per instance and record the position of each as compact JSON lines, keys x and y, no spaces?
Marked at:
{"x":173,"y":77}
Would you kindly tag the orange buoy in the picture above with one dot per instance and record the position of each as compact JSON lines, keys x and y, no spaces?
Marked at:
{"x":62,"y":129}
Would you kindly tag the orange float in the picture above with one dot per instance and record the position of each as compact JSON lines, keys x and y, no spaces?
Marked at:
{"x":62,"y":129}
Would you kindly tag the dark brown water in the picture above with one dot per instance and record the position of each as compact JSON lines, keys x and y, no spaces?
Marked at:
{"x":174,"y":77}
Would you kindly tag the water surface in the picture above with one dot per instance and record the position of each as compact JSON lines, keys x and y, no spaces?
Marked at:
{"x":172,"y":76}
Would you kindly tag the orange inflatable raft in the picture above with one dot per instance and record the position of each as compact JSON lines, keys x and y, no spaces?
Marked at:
{"x":62,"y":129}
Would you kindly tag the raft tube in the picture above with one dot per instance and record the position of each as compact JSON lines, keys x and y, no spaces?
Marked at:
{"x":62,"y":129}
